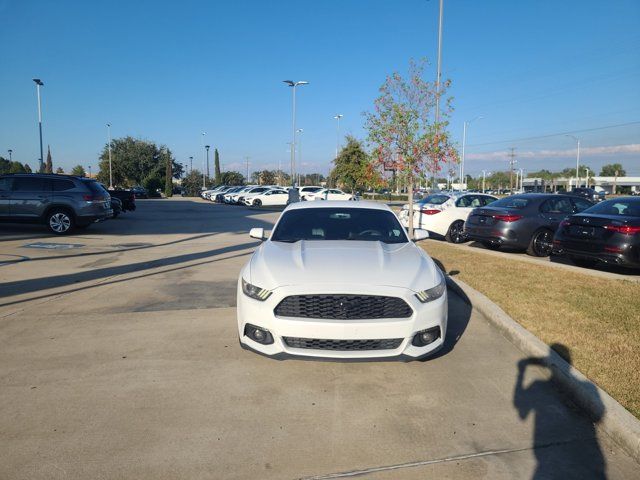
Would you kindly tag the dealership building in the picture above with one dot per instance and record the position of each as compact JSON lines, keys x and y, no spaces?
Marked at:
{"x":606,"y":184}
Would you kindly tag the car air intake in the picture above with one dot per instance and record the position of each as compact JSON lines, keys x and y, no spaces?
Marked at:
{"x":343,"y":307}
{"x":344,"y":345}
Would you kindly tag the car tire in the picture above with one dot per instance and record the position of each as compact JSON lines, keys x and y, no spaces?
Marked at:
{"x":541,"y":243}
{"x":584,"y":262}
{"x":60,"y":221}
{"x":455,"y":234}
{"x":257,"y":202}
{"x":491,"y":245}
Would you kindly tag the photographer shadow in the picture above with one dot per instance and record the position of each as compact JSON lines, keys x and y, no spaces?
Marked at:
{"x":565,"y":445}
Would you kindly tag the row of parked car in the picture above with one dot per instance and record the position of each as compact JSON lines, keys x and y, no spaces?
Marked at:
{"x":270,"y":195}
{"x":61,"y":202}
{"x":541,"y":224}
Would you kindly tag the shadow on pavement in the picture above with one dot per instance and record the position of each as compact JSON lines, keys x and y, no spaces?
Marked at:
{"x":552,"y":462}
{"x":21,"y":287}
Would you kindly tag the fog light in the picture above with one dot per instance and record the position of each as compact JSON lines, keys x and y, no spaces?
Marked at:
{"x":258,"y":334}
{"x":426,"y":337}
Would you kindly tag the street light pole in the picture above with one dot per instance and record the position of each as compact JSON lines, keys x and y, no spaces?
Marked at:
{"x":484,"y":177}
{"x":110,"y":169}
{"x":203,"y":160}
{"x":293,"y":86}
{"x":247,"y":160}
{"x":464,"y":146}
{"x":299,"y":131}
{"x":10,"y":152}
{"x":338,"y":117}
{"x":38,"y":85}
{"x":207,"y":149}
{"x":438,"y":74}
{"x":577,"y":159}
{"x":190,"y":164}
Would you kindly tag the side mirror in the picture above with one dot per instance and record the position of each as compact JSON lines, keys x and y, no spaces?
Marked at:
{"x":419,"y":234}
{"x":257,"y":233}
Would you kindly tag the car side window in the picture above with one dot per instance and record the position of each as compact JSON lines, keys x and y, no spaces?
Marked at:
{"x":28,"y":184}
{"x":487,"y":200}
{"x":335,"y":191}
{"x":557,"y":205}
{"x":62,"y":185}
{"x":465,"y":201}
{"x":5,"y":184}
{"x":580,"y":204}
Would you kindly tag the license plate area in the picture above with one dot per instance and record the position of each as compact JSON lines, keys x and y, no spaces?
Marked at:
{"x":580,"y":231}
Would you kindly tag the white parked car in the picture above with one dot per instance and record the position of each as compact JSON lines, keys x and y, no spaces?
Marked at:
{"x":341,"y":280}
{"x":445,"y":213}
{"x":328,"y":194}
{"x":303,"y":191}
{"x":272,"y":197}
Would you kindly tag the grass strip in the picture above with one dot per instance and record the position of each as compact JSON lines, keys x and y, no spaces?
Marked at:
{"x":598,"y":319}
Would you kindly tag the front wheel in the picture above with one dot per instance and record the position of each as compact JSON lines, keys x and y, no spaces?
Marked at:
{"x":60,"y":222}
{"x":541,"y":243}
{"x":455,"y":234}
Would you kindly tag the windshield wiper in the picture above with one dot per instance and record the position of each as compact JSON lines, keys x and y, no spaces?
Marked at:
{"x":287,"y":240}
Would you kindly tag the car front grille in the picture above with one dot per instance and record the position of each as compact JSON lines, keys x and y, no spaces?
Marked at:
{"x":343,"y":345}
{"x":343,"y":307}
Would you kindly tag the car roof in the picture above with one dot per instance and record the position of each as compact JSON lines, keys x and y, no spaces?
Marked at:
{"x":339,"y":204}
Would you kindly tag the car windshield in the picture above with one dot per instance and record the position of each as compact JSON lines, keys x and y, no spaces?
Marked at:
{"x":511,"y":202}
{"x":435,"y":199}
{"x":339,"y":224}
{"x":623,"y":207}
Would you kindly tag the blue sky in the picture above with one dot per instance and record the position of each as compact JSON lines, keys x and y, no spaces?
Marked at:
{"x":166,"y":71}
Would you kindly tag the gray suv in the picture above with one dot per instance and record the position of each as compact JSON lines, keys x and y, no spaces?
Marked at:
{"x":61,"y":202}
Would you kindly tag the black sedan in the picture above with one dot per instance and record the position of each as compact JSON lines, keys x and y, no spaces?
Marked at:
{"x":527,"y":222}
{"x":608,"y":232}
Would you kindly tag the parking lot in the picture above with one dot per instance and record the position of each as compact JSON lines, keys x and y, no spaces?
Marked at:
{"x":120,"y":359}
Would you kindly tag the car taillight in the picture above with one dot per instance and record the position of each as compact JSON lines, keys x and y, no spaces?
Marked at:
{"x":88,"y":198}
{"x":625,"y":229}
{"x":430,"y":211}
{"x":508,"y":217}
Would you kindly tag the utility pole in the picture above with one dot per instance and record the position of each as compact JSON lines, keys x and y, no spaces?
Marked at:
{"x":615,"y":182}
{"x":10,"y":152}
{"x":190,"y":164}
{"x":247,"y":160}
{"x":512,"y":161}
{"x":203,"y":162}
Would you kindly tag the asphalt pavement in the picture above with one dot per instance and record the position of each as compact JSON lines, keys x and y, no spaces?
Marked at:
{"x":119,"y":359}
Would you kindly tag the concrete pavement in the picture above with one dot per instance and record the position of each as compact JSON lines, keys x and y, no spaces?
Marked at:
{"x":119,"y":359}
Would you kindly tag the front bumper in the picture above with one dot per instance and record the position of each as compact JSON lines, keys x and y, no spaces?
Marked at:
{"x":261,"y":314}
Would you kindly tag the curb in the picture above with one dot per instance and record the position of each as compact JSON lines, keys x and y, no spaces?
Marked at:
{"x":616,"y":421}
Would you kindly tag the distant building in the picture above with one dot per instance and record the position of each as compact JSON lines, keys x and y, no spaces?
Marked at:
{"x":605,"y":184}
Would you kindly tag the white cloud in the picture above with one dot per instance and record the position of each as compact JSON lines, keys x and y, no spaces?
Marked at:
{"x":584,"y":151}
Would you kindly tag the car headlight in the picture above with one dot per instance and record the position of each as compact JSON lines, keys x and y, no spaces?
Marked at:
{"x":254,"y":292}
{"x":431,"y":294}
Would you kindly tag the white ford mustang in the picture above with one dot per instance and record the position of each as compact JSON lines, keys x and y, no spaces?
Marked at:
{"x":341,"y":280}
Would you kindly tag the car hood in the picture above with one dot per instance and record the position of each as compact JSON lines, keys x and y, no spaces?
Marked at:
{"x":278,"y":264}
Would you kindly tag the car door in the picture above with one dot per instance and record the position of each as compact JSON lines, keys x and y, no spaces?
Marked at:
{"x":554,"y":210}
{"x":335,"y":194}
{"x":5,"y":196}
{"x":30,"y":196}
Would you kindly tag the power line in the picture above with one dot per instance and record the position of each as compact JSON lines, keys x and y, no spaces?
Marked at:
{"x":554,"y":134}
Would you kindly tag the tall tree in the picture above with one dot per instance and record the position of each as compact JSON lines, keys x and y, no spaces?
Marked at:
{"x":232,"y":178}
{"x":48,"y":167}
{"x":134,"y":160}
{"x":191,"y":183}
{"x":351,"y":166}
{"x":612,"y":170}
{"x":79,"y":171}
{"x":59,"y":170}
{"x":267,"y":177}
{"x":403,"y":132}
{"x":218,"y":176}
